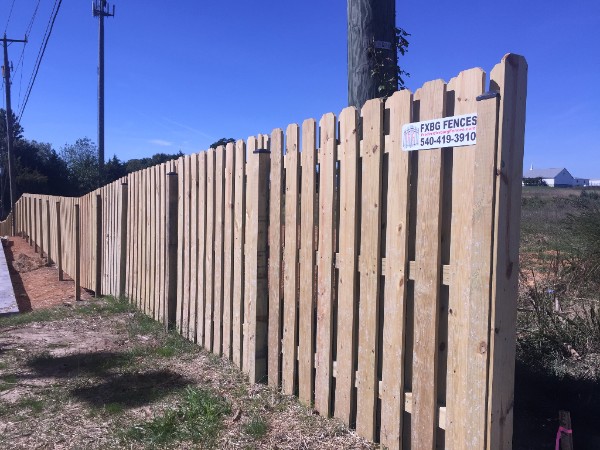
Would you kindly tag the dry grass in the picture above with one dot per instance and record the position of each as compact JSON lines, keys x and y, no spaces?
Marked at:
{"x":93,"y":377}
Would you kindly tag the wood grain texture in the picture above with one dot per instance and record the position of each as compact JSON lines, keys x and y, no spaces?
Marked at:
{"x":326,"y":265}
{"x":228,"y":266}
{"x":398,"y":206}
{"x":256,"y":287}
{"x":290,"y":256}
{"x":250,"y":248}
{"x":306,"y":300}
{"x":370,"y":271}
{"x":275,"y":259}
{"x":432,"y":98}
{"x":238,"y":252}
{"x":219,"y":221}
{"x":466,"y":185}
{"x":202,"y":246}
{"x":193,"y":247}
{"x":348,"y":266}
{"x":509,"y":78}
{"x":210,"y":247}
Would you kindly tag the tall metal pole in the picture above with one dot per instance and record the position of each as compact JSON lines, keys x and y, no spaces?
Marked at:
{"x":9,"y":133}
{"x":101,"y":9}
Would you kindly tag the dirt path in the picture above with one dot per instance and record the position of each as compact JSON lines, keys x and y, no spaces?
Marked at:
{"x":36,"y":283}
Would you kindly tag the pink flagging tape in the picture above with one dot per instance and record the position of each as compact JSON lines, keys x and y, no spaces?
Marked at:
{"x":559,"y":434}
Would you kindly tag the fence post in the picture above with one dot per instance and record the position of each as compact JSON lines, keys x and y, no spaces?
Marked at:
{"x":77,"y":277}
{"x":170,"y":306}
{"x":49,"y":250}
{"x":28,"y":211}
{"x":59,"y":243}
{"x":256,"y":289}
{"x":98,"y":253}
{"x":34,"y":225}
{"x":40,"y":227}
{"x":123,"y":244}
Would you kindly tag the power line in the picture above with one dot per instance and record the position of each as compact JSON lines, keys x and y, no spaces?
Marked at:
{"x":32,"y":18}
{"x":22,"y":56}
{"x":38,"y":62}
{"x":9,"y":14}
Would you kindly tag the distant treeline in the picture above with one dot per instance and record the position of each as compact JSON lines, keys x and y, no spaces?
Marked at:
{"x":71,"y":171}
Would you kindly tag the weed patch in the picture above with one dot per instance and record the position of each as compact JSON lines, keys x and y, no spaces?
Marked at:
{"x":256,"y":427}
{"x":199,"y":419}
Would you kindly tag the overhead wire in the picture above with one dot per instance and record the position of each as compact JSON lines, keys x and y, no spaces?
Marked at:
{"x":41,"y":53}
{"x":21,"y":62}
{"x":9,"y":15}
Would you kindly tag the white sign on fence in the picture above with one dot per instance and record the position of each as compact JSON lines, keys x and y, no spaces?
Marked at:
{"x":455,"y":131}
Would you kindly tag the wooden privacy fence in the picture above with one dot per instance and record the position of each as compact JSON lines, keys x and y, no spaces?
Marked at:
{"x":377,"y":284}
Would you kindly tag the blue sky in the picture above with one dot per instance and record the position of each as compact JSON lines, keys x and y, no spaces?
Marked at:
{"x":180,"y":75}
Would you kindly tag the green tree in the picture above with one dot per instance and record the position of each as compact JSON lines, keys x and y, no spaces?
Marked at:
{"x":134,"y":165}
{"x":114,"y":169}
{"x":222,"y":141}
{"x":81,"y":159}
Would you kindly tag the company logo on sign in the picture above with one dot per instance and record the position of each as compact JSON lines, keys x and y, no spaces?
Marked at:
{"x":410,"y":137}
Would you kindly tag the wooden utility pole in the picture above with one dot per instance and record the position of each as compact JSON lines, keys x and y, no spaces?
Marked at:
{"x":9,"y":131}
{"x":371,"y":36}
{"x":101,"y":9}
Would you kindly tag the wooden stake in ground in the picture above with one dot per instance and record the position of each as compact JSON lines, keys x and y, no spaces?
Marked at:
{"x":565,"y":433}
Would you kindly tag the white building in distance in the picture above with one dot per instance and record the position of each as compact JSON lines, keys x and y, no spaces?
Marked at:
{"x":556,"y":177}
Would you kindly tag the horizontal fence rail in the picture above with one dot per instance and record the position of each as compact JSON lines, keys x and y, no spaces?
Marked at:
{"x":376,"y":284}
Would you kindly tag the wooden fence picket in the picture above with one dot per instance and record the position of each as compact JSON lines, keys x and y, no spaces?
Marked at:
{"x":306,"y":300}
{"x":275,"y":258}
{"x":369,"y":268}
{"x":326,"y":265}
{"x":378,"y":285}
{"x":345,"y":399}
{"x":290,"y":255}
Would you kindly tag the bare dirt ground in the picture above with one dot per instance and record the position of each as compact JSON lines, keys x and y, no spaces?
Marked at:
{"x":98,"y":374}
{"x":36,"y":283}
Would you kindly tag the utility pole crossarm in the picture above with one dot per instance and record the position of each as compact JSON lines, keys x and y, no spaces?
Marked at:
{"x":9,"y":130}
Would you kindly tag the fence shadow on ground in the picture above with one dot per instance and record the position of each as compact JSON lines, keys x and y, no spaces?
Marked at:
{"x":129,"y":389}
{"x":23,"y":300}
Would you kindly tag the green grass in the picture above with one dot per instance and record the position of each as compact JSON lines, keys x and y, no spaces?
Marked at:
{"x":114,"y":408}
{"x":34,"y":404}
{"x":106,"y":306}
{"x":257,"y":427}
{"x":198,"y":418}
{"x":7,"y":382}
